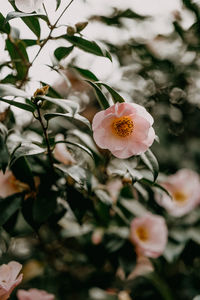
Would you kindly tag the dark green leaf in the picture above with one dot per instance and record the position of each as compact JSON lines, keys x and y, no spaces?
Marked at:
{"x":33,"y":24}
{"x":151,"y":162}
{"x":9,"y":206}
{"x":63,"y":52}
{"x":103,"y":102}
{"x":58,"y":4}
{"x":115,"y":96}
{"x":16,"y":14}
{"x":77,"y":119}
{"x":85,"y":73}
{"x":65,"y":104}
{"x":29,"y":42}
{"x":156,"y":185}
{"x":22,"y":171}
{"x":4,"y":155}
{"x":19,"y":56}
{"x":5,"y":28}
{"x":18,"y":104}
{"x":44,"y":206}
{"x":85,"y":45}
{"x":77,"y":145}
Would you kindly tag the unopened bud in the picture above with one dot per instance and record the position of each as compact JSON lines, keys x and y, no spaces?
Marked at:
{"x":71,"y":30}
{"x":42,"y":91}
{"x":80,"y":26}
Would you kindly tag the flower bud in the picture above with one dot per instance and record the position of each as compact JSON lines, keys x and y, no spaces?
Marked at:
{"x":80,"y":26}
{"x":71,"y":30}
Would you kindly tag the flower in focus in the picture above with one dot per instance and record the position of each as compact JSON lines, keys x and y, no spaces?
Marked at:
{"x":124,"y":128}
{"x":9,"y":279}
{"x":34,"y":294}
{"x":149,"y":235}
{"x":9,"y":185}
{"x":61,"y":153}
{"x":28,"y":6}
{"x":184,"y":187}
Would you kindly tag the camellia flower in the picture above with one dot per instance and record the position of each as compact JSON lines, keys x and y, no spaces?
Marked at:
{"x":9,"y":185}
{"x":124,"y":128}
{"x":28,"y":6}
{"x":34,"y":294}
{"x":184,"y":187}
{"x":149,"y":235}
{"x":9,"y":279}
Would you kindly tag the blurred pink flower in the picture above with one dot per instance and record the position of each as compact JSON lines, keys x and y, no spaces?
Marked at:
{"x":124,"y":128}
{"x":28,"y":6}
{"x":149,"y":235}
{"x":184,"y":187}
{"x":9,"y":279}
{"x":34,"y":294}
{"x":61,"y":153}
{"x":114,"y":186}
{"x":9,"y":185}
{"x":143,"y":267}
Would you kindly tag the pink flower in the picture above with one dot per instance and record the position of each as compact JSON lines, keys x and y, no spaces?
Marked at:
{"x":184,"y":187}
{"x":149,"y":235}
{"x":28,"y":6}
{"x":9,"y":185}
{"x":9,"y":279}
{"x":61,"y":153}
{"x":34,"y":294}
{"x":124,"y":128}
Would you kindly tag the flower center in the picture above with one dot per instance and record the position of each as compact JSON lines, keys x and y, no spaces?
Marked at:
{"x":180,"y":196}
{"x":142,"y":233}
{"x":123,"y":126}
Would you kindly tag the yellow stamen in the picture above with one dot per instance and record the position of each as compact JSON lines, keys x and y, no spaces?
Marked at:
{"x":142,"y":233}
{"x":179,"y":196}
{"x":123,"y":126}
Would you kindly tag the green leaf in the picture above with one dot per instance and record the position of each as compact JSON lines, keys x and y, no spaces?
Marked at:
{"x":65,"y":104}
{"x":156,"y":185}
{"x":19,"y":56}
{"x":5,"y":28}
{"x":85,"y":45}
{"x":85,"y":73}
{"x":33,"y":24}
{"x":25,"y":149}
{"x":10,"y":90}
{"x":76,"y":119}
{"x":58,"y":4}
{"x":4,"y":155}
{"x":103,"y":102}
{"x":63,"y":52}
{"x":8,"y":206}
{"x":22,"y":171}
{"x":77,"y":173}
{"x":16,"y":14}
{"x":29,"y":42}
{"x":77,"y":145}
{"x":18,"y":104}
{"x":151,"y":162}
{"x":115,"y":96}
{"x":44,"y":206}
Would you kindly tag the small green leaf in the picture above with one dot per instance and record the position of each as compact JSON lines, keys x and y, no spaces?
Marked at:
{"x":44,"y":206}
{"x":58,"y":4}
{"x":18,"y":104}
{"x":103,"y":102}
{"x":115,"y":96}
{"x":33,"y":24}
{"x":8,"y":206}
{"x":5,"y":28}
{"x":85,"y":45}
{"x":85,"y":73}
{"x":63,"y":52}
{"x":77,"y":119}
{"x":151,"y":162}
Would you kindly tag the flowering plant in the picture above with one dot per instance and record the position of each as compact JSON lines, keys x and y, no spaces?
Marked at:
{"x":99,"y":183}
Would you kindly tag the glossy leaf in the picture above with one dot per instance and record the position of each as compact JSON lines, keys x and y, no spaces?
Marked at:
{"x":18,"y":104}
{"x":4,"y":155}
{"x":65,"y":104}
{"x":77,"y":119}
{"x":85,"y":45}
{"x":16,"y":14}
{"x":10,"y":90}
{"x":115,"y":96}
{"x":5,"y":28}
{"x":103,"y":102}
{"x":8,"y":206}
{"x":63,"y":52}
{"x":58,"y":4}
{"x":151,"y":162}
{"x":77,"y":145}
{"x":33,"y":24}
{"x":87,"y":74}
